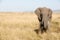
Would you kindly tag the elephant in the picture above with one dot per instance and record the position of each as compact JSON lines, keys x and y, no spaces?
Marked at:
{"x":44,"y":15}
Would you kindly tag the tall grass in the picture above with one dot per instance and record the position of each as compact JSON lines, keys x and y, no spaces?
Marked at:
{"x":21,"y":26}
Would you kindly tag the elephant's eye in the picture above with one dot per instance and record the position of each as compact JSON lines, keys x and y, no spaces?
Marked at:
{"x":41,"y":16}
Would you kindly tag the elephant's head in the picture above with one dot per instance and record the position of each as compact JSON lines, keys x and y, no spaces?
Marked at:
{"x":44,"y":15}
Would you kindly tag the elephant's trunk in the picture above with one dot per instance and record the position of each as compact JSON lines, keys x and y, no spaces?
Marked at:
{"x":44,"y":22}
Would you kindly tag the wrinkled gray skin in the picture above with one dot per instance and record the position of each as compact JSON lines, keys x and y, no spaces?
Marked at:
{"x":44,"y":15}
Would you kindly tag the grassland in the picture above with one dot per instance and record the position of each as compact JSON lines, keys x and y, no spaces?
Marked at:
{"x":21,"y":26}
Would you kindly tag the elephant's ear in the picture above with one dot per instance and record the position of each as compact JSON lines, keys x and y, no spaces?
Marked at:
{"x":50,"y":14}
{"x":37,"y":11}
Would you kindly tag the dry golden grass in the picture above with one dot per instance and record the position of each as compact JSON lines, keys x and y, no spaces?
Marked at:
{"x":21,"y":26}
